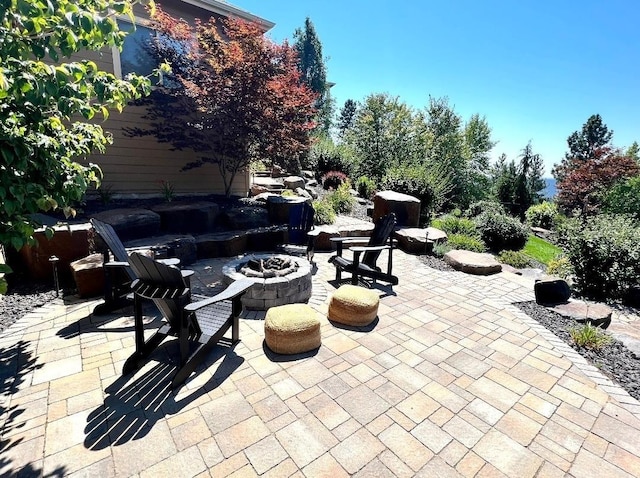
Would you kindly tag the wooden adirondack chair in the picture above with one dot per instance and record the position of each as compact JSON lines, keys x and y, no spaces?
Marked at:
{"x":301,"y":218}
{"x":203,"y":323}
{"x":118,"y":274}
{"x":379,"y":241}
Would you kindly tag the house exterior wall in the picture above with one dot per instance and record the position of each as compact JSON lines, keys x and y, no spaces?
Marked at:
{"x":134,"y":167}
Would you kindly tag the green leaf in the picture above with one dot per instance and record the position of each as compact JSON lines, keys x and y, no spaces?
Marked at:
{"x":3,"y":286}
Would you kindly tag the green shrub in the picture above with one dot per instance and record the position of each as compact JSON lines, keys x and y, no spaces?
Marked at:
{"x":500,"y":232}
{"x":428,"y":185}
{"x":560,"y":267}
{"x":325,"y":156}
{"x":455,"y":225}
{"x":324,"y":213}
{"x":517,"y":259}
{"x":589,"y":337}
{"x":439,"y":250}
{"x":604,"y":252}
{"x":542,"y":215}
{"x":477,"y":208}
{"x":288,"y":193}
{"x":333,"y":179}
{"x":462,"y":241}
{"x":366,"y":187}
{"x":341,"y":199}
{"x":623,"y":198}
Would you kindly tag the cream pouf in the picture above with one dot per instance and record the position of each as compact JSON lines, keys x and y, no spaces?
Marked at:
{"x":292,"y":329}
{"x":353,"y":305}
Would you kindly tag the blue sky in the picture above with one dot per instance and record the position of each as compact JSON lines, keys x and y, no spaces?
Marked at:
{"x":535,"y":69}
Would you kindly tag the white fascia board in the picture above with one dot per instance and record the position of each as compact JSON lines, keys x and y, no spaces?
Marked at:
{"x":228,"y":10}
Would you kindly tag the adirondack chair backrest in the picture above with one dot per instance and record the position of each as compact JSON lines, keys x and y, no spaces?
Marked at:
{"x":379,"y":237}
{"x":162,"y":276}
{"x":113,"y":242}
{"x":300,"y":222}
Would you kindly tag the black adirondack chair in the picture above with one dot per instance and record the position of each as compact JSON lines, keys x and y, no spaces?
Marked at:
{"x":379,"y":241}
{"x":118,"y":274}
{"x":301,"y":217}
{"x":198,"y":325}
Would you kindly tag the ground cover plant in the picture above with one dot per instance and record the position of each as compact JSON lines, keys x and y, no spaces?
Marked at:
{"x":540,"y":250}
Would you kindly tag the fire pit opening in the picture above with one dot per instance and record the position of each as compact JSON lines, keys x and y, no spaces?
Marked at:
{"x":278,"y":279}
{"x":269,"y":267}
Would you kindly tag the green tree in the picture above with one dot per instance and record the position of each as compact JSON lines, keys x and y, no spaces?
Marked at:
{"x":313,"y":71}
{"x":633,"y":152}
{"x":49,"y":103}
{"x":529,"y":181}
{"x":235,"y":96}
{"x":347,"y":117}
{"x":382,"y":135}
{"x":583,"y":145}
{"x":463,"y":150}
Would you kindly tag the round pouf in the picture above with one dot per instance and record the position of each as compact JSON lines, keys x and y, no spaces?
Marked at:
{"x":353,"y":305}
{"x":292,"y":329}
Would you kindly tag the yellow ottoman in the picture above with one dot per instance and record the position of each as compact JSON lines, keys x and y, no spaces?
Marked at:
{"x":353,"y":305}
{"x":292,"y":329}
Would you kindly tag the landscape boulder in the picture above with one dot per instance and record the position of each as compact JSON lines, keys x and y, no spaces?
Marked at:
{"x":69,"y":243}
{"x":598,"y":315}
{"x":405,"y":207}
{"x":293,"y":182}
{"x":180,"y":246}
{"x":88,"y":275}
{"x":413,"y":240}
{"x":246,"y":218}
{"x":131,"y":223}
{"x":551,"y":291}
{"x":187,"y":217}
{"x":475,"y":263}
{"x":223,"y":244}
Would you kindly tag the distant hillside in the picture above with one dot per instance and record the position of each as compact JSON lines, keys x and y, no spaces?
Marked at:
{"x":550,"y":188}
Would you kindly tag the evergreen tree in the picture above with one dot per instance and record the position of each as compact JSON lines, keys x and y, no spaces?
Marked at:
{"x":313,"y":71}
{"x":347,"y":116}
{"x":583,"y":145}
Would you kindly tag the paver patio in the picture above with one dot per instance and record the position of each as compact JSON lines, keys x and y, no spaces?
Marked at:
{"x":453,"y":380}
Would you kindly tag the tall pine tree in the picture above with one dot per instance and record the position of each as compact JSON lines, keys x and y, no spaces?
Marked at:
{"x":313,"y":71}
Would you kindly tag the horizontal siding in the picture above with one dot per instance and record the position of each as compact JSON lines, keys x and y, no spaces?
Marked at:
{"x":135,"y":166}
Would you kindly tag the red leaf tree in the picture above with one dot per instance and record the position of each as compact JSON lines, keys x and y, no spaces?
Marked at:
{"x":233,"y":96}
{"x":585,"y":181}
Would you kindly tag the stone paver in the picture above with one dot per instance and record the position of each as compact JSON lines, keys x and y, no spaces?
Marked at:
{"x":452,"y":380}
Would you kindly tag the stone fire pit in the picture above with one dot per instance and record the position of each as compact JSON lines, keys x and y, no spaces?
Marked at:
{"x":278,"y":279}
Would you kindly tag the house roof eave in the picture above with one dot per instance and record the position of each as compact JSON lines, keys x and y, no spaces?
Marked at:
{"x":229,"y":10}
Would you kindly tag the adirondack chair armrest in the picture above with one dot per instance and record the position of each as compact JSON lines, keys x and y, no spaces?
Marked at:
{"x":339,"y":241}
{"x":115,"y":264}
{"x":360,"y":249}
{"x":231,"y":292}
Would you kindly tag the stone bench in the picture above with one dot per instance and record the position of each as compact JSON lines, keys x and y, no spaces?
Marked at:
{"x":180,"y":246}
{"x":413,"y":240}
{"x":475,"y":263}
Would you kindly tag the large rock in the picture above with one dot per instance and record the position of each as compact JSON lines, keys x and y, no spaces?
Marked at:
{"x":293,"y":182}
{"x":246,"y":218}
{"x":88,"y":275}
{"x":598,"y":315}
{"x":278,"y":208}
{"x":405,"y":207}
{"x":551,"y":291}
{"x":180,"y":246}
{"x":187,"y":217}
{"x":322,"y":237}
{"x":223,"y":244}
{"x":69,"y":243}
{"x":414,"y":240}
{"x":131,"y":223}
{"x":472,"y":262}
{"x":266,"y":238}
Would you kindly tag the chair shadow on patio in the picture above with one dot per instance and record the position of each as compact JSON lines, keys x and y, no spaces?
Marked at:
{"x":132,"y":407}
{"x":119,"y":321}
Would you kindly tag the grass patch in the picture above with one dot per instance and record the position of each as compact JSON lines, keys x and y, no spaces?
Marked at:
{"x":541,"y":250}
